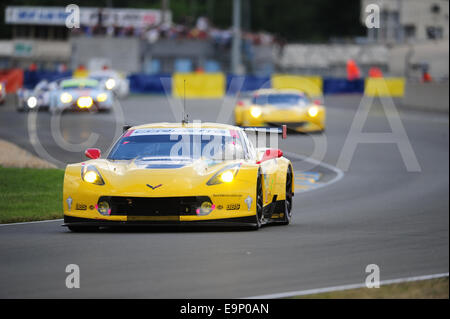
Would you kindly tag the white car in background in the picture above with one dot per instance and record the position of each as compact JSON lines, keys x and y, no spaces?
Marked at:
{"x":81,"y":94}
{"x":37,"y":98}
{"x":113,"y":81}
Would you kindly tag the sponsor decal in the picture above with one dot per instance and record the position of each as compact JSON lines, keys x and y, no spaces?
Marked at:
{"x":219,"y":207}
{"x":80,"y":206}
{"x":234,"y":206}
{"x":181,"y":131}
{"x":91,"y":207}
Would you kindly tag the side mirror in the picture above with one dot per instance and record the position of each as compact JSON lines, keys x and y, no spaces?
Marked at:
{"x":93,"y":153}
{"x":269,"y":154}
{"x":125,"y":128}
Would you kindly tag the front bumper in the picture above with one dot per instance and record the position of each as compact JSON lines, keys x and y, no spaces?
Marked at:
{"x":73,"y":106}
{"x":295,"y":122}
{"x":156,"y":209}
{"x":88,"y":222}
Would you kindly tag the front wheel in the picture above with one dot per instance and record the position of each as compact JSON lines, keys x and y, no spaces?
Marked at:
{"x":259,"y":204}
{"x":288,"y":201}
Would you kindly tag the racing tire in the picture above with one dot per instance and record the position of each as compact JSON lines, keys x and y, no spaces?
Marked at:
{"x":82,"y":229}
{"x":288,"y":201}
{"x":259,"y":204}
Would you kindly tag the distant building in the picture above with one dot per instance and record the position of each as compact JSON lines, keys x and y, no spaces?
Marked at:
{"x":40,"y":35}
{"x":408,"y":20}
{"x":129,"y":40}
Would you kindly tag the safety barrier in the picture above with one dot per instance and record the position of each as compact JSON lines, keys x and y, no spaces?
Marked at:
{"x":383,"y":87}
{"x":31,"y":78}
{"x":342,"y":86}
{"x":150,"y":83}
{"x":80,"y":73}
{"x":13,"y":79}
{"x":241,"y":83}
{"x":311,"y":85}
{"x":198,"y":85}
{"x":216,"y":85}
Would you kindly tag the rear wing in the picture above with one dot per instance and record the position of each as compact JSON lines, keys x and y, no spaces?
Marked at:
{"x":268,"y":130}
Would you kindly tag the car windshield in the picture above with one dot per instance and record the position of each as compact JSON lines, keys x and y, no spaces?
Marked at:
{"x":280,"y":99}
{"x":187,"y":144}
{"x":79,"y":84}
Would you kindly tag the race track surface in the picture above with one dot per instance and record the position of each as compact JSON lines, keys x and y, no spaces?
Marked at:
{"x":378,"y":213}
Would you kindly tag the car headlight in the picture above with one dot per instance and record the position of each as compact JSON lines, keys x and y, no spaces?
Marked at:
{"x":102,"y":97}
{"x":66,"y":97}
{"x":313,"y":111}
{"x":110,"y":84}
{"x":225,"y":175}
{"x":85,"y":102}
{"x":91,"y":175}
{"x":32,"y":102}
{"x":255,"y":112}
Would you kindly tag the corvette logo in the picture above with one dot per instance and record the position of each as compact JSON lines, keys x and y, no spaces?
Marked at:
{"x":154,"y":187}
{"x":69,"y":203}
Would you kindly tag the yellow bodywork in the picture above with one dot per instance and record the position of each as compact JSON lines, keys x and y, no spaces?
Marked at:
{"x":125,"y":178}
{"x":309,"y":118}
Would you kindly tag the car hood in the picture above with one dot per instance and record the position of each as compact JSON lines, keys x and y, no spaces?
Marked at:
{"x":172,"y":174}
{"x":284,"y":108}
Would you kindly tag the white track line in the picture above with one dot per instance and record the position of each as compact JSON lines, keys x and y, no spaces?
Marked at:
{"x":35,"y":222}
{"x":345,"y":287}
{"x":339,"y":172}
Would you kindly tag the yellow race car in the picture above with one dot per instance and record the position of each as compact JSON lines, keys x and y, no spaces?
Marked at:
{"x":180,"y":173}
{"x":274,"y":107}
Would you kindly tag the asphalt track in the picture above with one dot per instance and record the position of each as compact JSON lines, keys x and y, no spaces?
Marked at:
{"x":378,"y":213}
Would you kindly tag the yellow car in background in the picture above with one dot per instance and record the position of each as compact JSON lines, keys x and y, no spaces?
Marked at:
{"x":274,"y":107}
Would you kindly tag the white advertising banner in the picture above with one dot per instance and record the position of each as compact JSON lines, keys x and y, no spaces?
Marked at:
{"x":89,"y":16}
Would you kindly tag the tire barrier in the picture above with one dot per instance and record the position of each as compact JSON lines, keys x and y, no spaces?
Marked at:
{"x":146,"y":83}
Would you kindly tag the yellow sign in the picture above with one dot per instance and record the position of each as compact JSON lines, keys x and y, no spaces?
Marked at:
{"x":198,"y":85}
{"x":311,"y":85}
{"x":394,"y":87}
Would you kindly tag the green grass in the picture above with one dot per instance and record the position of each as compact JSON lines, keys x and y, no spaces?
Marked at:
{"x":424,"y":289}
{"x":28,"y":194}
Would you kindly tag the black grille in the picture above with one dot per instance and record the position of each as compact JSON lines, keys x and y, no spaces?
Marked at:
{"x":154,"y":206}
{"x":290,"y":125}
